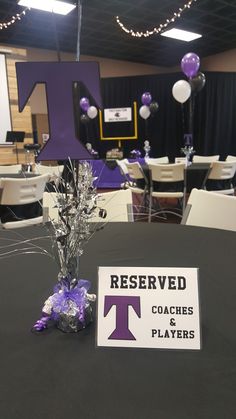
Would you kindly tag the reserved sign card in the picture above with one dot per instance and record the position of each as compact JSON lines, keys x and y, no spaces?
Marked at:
{"x":148,"y":307}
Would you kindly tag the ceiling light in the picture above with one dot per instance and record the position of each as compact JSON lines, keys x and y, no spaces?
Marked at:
{"x":181,"y":35}
{"x":54,"y":6}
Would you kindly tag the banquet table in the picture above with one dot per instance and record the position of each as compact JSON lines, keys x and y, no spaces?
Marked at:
{"x":54,"y":375}
{"x":108,"y":174}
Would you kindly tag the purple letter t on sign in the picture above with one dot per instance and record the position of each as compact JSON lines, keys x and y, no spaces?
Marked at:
{"x":59,"y":79}
{"x":122,"y":304}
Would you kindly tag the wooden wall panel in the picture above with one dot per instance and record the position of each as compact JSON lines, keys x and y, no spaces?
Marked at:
{"x":8,"y":155}
{"x":21,"y":121}
{"x":42,"y":127}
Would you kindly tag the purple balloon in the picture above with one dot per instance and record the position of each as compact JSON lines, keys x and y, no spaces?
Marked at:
{"x":190,"y":64}
{"x":84,"y":104}
{"x":146,"y":98}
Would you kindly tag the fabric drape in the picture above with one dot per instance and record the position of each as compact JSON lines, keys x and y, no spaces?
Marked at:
{"x":214,"y":122}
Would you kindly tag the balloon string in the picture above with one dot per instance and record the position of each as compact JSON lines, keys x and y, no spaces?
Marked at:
{"x":183,"y":117}
{"x":146,"y":129}
{"x":191,"y":115}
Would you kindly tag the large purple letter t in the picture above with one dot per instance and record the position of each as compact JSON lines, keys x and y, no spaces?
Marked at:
{"x":122,"y":304}
{"x":59,"y":78}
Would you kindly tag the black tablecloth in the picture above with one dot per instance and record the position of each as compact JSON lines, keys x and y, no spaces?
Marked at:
{"x":64,"y":376}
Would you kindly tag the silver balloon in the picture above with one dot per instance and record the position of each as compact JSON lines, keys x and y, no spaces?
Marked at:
{"x":92,"y":112}
{"x":181,"y":91}
{"x":144,"y":112}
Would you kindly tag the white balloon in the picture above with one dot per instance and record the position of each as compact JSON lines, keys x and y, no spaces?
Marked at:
{"x":181,"y":91}
{"x":144,"y":112}
{"x":92,"y":112}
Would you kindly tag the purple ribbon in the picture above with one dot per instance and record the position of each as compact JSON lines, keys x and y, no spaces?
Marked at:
{"x":63,"y":295}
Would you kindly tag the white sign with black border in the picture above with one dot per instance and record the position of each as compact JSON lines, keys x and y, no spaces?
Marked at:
{"x":148,"y":307}
{"x":118,"y":115}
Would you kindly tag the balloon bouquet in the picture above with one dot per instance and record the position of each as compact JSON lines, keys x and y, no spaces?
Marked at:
{"x":89,"y":112}
{"x":149,"y":107}
{"x":182,"y":91}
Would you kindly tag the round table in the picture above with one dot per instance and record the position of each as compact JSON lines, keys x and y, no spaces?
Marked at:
{"x":56,"y":376}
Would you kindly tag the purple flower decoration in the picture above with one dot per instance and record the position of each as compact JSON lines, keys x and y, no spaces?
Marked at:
{"x":68,"y":299}
{"x":135,"y":154}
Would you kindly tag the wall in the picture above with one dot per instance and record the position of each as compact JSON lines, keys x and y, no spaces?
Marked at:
{"x":225,"y":61}
{"x":108,"y":68}
{"x":37,"y":103}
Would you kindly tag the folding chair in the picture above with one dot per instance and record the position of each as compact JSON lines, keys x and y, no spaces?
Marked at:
{"x":209,"y":209}
{"x":167,"y":181}
{"x":17,"y":192}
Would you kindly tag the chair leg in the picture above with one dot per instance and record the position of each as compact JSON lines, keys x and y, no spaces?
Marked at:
{"x":165,"y":211}
{"x":138,"y":204}
{"x":181,"y":203}
{"x":150,"y":208}
{"x":184,"y":200}
{"x":143,"y":202}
